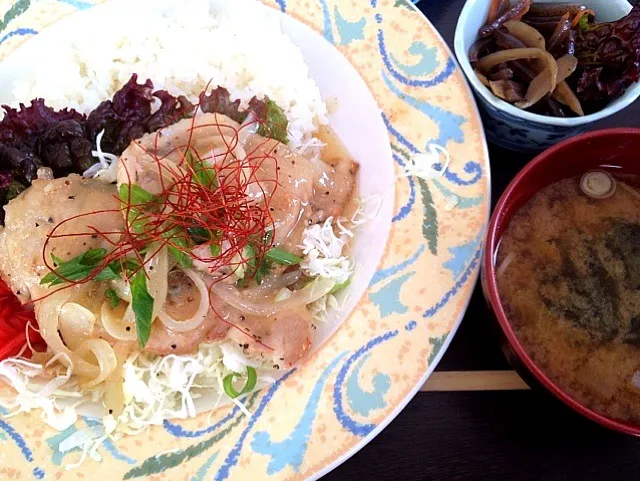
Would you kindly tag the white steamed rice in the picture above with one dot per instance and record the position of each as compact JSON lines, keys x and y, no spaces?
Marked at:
{"x":181,"y":46}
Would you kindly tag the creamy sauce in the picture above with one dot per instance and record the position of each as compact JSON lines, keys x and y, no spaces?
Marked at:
{"x":568,"y":273}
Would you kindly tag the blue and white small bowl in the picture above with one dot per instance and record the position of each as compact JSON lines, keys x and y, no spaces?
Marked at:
{"x":509,"y":126}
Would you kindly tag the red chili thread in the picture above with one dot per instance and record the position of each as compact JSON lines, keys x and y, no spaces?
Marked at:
{"x":226,"y":210}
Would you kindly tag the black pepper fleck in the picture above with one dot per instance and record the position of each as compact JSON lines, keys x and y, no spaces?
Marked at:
{"x":71,"y":197}
{"x":246,"y":346}
{"x":37,"y":225}
{"x":275,"y":366}
{"x":110,"y":411}
{"x":128,"y":328}
{"x":50,"y":220}
{"x":94,"y":236}
{"x":173,"y":346}
{"x":242,"y":318}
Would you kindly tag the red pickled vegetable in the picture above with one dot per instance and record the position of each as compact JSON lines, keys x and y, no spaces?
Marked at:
{"x":13,"y":324}
{"x":515,"y":13}
{"x":570,"y":45}
{"x":507,"y":41}
{"x":504,"y":7}
{"x":545,"y":25}
{"x":560,"y":33}
{"x":480,"y":48}
{"x":522,"y":70}
{"x":508,"y":90}
{"x":504,"y":73}
{"x":557,"y":9}
{"x":494,"y":10}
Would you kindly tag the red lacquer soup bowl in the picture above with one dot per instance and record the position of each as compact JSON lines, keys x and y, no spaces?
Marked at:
{"x":604,"y":149}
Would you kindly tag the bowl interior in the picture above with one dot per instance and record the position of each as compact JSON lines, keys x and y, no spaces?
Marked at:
{"x":609,"y":150}
{"x":473,"y":17}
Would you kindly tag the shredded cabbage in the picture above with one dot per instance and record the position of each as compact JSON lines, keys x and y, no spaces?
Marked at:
{"x":322,"y":250}
{"x":428,"y":165}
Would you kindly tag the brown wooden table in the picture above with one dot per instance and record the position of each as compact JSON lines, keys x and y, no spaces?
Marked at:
{"x":475,"y":418}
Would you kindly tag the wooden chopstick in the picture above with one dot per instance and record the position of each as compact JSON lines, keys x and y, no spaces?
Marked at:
{"x":474,"y":381}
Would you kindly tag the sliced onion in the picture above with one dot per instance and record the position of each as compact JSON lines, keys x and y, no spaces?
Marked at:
{"x":114,"y":392}
{"x":122,"y":288}
{"x":116,"y":323}
{"x":526,"y":34}
{"x":282,"y":295}
{"x":157,"y":268}
{"x":203,"y":308}
{"x":48,"y":311}
{"x":104,"y":355}
{"x":320,"y":287}
{"x":273,"y":283}
{"x":76,"y":323}
{"x":308,"y":294}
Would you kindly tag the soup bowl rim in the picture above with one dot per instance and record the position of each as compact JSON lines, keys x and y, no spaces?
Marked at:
{"x":490,"y":286}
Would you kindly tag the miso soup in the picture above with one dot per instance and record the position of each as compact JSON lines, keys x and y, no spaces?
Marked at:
{"x":568,"y":272}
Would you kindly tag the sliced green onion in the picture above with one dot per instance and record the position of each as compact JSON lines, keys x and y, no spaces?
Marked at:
{"x":81,"y":267}
{"x":338,"y":287}
{"x":142,"y":305}
{"x":113,"y":297}
{"x":202,"y":173}
{"x":134,"y":197}
{"x":268,"y":236}
{"x":280,"y":256}
{"x":199,"y":235}
{"x":178,"y":238}
{"x":227,"y":383}
{"x":249,"y":254}
{"x":93,"y":256}
{"x":263,"y":270}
